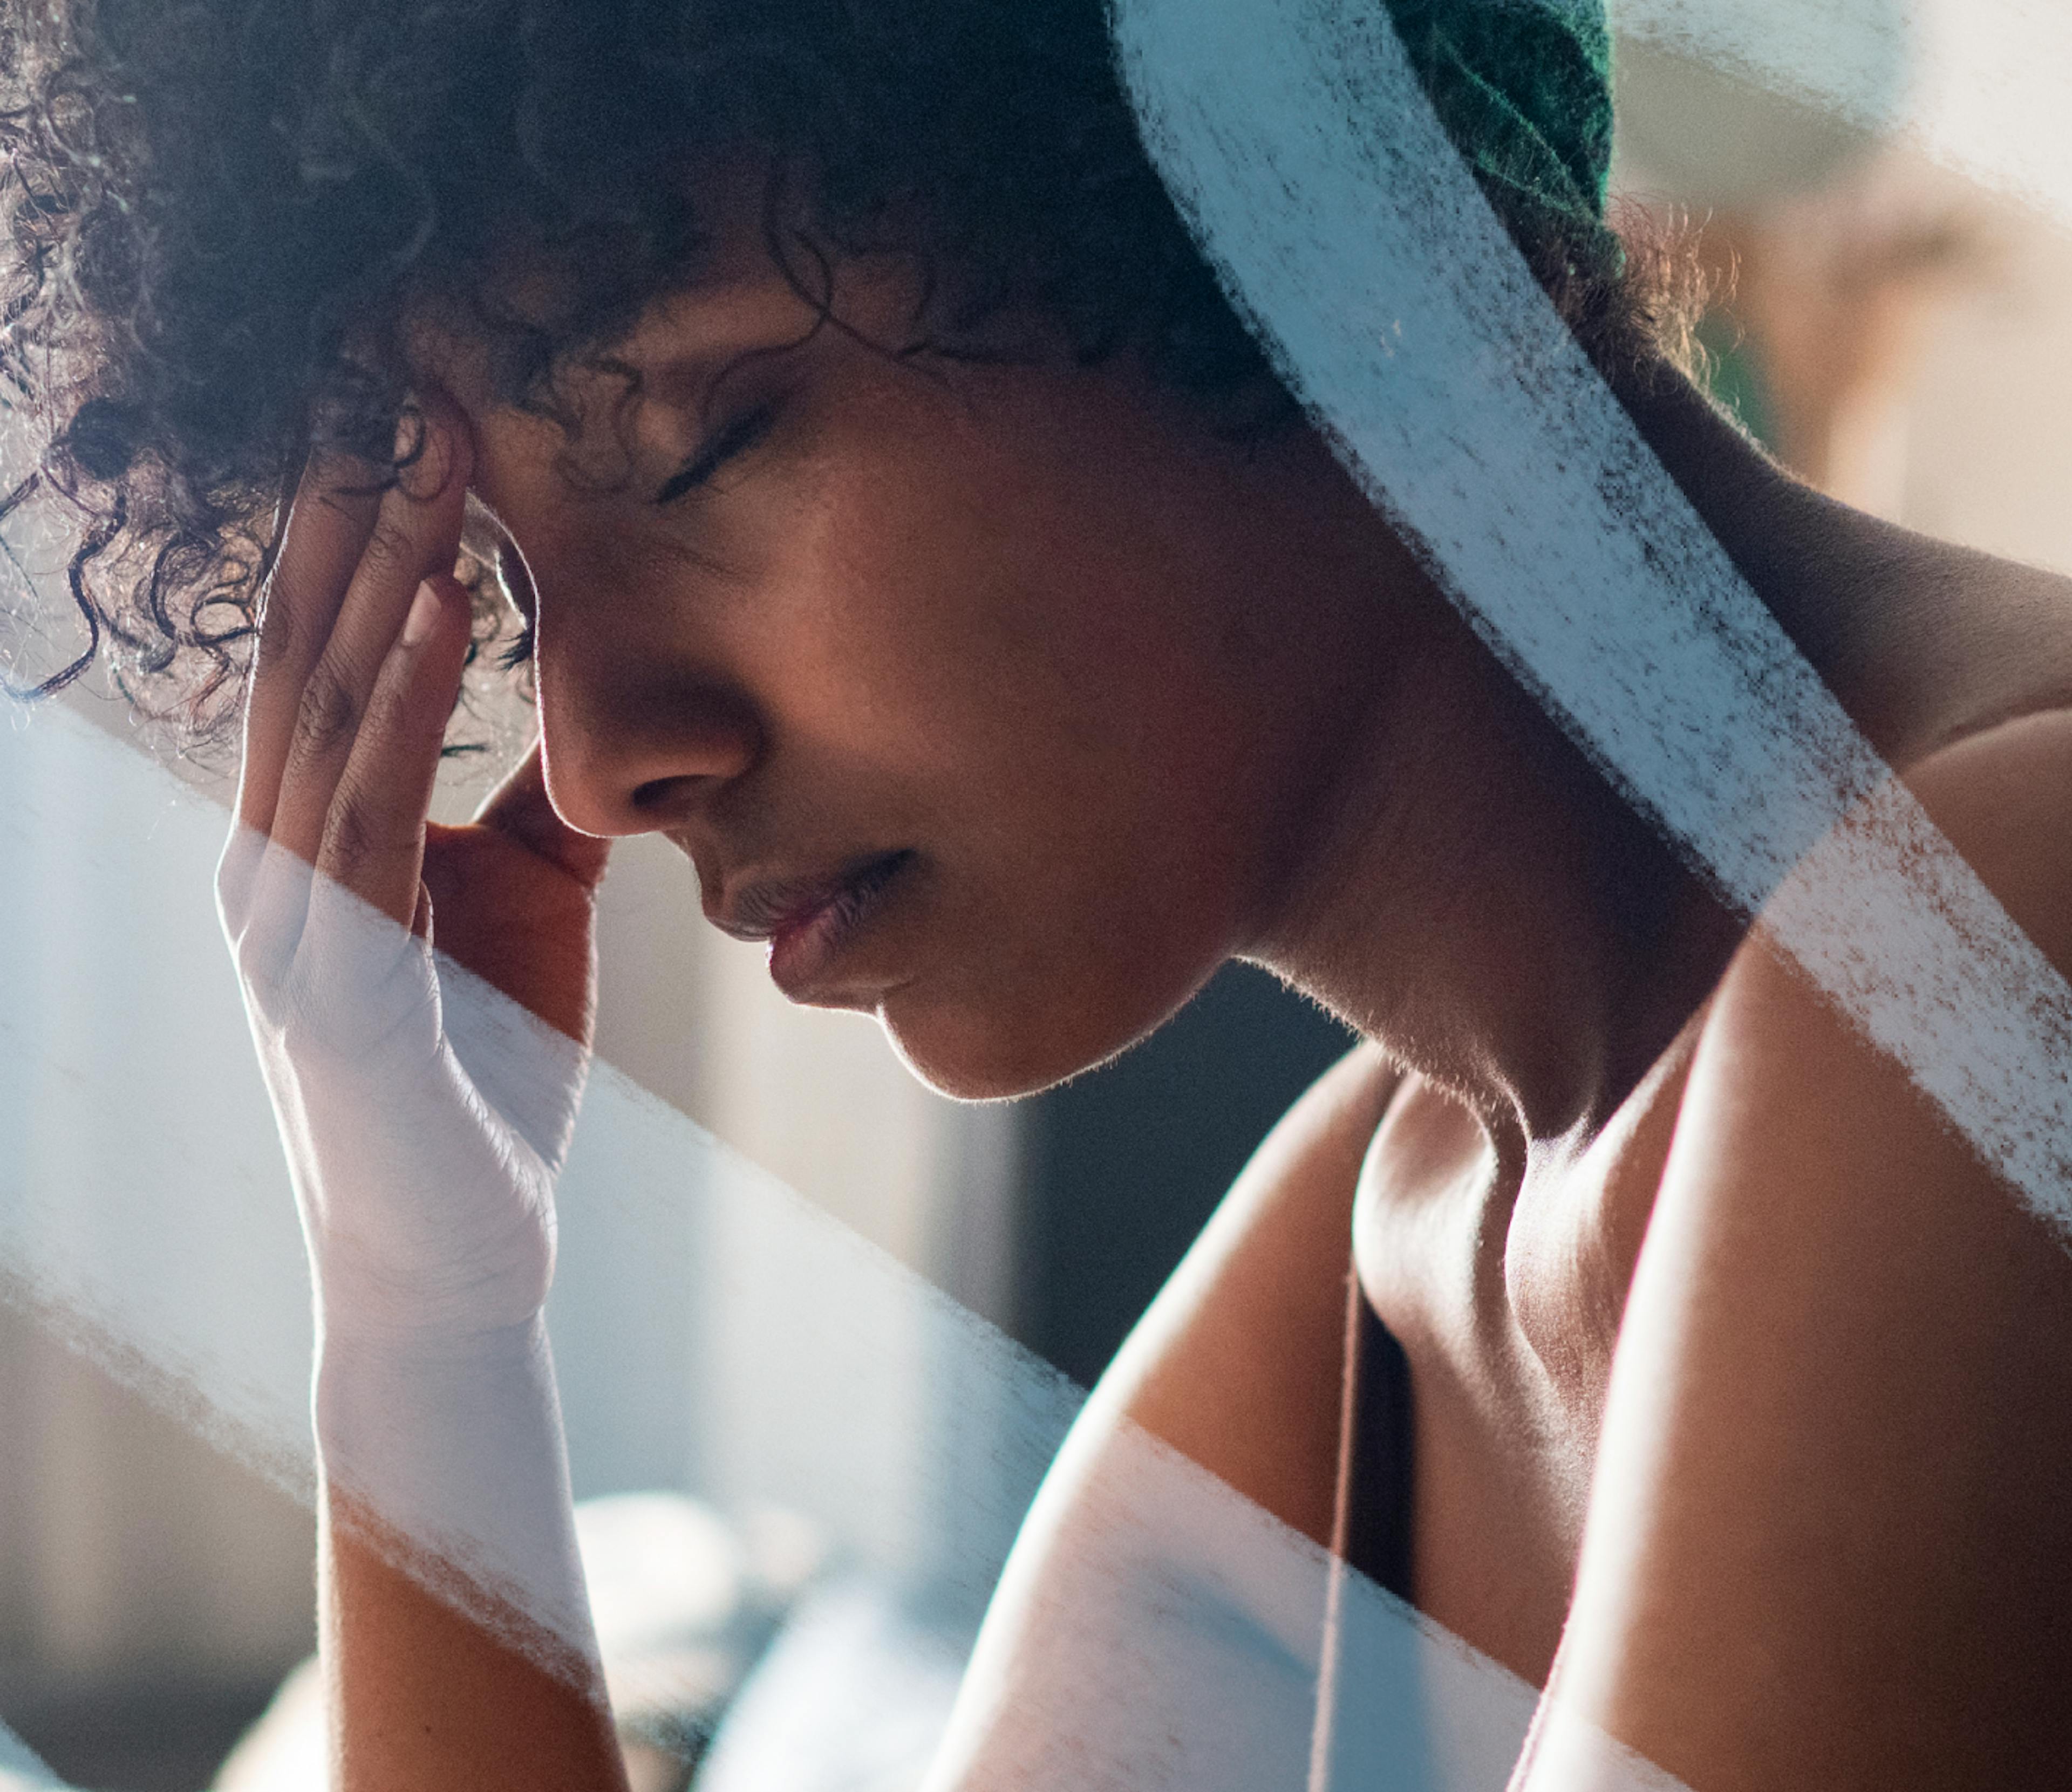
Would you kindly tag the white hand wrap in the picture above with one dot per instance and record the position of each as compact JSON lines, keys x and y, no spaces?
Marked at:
{"x":424,"y":1116}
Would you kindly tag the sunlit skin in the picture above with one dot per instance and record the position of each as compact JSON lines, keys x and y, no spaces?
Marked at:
{"x":1093,"y":670}
{"x":1092,"y":692}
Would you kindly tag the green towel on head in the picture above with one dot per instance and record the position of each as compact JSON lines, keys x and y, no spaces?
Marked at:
{"x":1524,"y":89}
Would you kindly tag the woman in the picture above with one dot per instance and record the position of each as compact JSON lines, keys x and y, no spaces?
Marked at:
{"x":903,"y":524}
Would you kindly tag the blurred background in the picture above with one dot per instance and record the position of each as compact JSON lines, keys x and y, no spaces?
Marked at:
{"x":1899,"y":335}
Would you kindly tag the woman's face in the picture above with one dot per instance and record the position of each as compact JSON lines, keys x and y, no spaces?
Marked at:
{"x":1001,"y":699}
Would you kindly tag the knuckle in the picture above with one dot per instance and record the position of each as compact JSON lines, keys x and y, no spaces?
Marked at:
{"x":359,"y":985}
{"x":392,"y":545}
{"x":265,"y":975}
{"x":354,"y":839}
{"x":315,"y":1036}
{"x":329,"y":712}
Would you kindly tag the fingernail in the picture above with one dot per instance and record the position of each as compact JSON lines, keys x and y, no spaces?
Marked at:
{"x":424,"y":615}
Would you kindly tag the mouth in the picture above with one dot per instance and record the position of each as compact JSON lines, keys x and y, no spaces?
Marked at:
{"x":806,"y":923}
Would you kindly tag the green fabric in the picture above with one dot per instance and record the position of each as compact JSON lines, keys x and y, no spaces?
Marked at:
{"x":1524,"y":89}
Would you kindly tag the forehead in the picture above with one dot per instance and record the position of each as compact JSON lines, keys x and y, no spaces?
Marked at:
{"x":738,"y":301}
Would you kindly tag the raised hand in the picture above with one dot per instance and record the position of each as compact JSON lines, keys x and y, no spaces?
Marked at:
{"x":426,"y":1108}
{"x":424,"y":1116}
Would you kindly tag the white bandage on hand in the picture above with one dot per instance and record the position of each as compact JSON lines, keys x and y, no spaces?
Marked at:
{"x":424,"y":1116}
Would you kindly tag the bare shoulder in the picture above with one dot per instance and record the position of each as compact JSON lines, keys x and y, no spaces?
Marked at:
{"x":2003,"y":798}
{"x":1840,"y":1418}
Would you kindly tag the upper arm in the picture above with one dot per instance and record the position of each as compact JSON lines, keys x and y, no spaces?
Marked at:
{"x":1829,"y":1542}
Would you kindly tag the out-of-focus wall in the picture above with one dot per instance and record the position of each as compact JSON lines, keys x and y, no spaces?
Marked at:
{"x":1988,"y":419}
{"x":1907,"y":335}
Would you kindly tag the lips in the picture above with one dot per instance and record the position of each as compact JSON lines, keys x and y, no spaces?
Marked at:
{"x":807,"y":921}
{"x":762,"y":911}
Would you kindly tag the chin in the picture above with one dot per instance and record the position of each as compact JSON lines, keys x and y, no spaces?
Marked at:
{"x":980,"y":1054}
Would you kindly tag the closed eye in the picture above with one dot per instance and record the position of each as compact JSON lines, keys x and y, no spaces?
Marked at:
{"x":519,"y":652}
{"x":737,"y":437}
{"x":740,"y":435}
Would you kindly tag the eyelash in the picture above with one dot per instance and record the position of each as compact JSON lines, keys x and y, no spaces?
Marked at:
{"x":738,"y":437}
{"x":520,"y":652}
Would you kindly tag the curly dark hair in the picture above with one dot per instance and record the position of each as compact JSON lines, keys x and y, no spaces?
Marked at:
{"x":222,"y":213}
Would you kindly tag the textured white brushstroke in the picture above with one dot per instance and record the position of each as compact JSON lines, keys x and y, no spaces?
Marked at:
{"x":144,"y":1208}
{"x":853,"y":1697}
{"x":1296,"y":135}
{"x":1404,"y":1706}
{"x":1567,"y":1753}
{"x":1155,"y":1629}
{"x":20,"y":1769}
{"x":712,"y":1330}
{"x":426,"y":1119}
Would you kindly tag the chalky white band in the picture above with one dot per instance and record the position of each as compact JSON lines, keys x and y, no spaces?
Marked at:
{"x":424,"y":1116}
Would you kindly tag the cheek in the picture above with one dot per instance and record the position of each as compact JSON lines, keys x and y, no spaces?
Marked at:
{"x":1076,"y":740}
{"x":1067,"y":924}
{"x":1086,"y":886}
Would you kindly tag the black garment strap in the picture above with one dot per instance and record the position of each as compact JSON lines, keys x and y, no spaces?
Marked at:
{"x":1374,"y":1468}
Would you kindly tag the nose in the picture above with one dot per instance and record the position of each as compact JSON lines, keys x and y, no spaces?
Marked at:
{"x":640,"y":750}
{"x":639,"y":726}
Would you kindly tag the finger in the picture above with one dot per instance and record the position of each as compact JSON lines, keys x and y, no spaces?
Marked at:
{"x":521,"y":807}
{"x":328,"y":522}
{"x":373,"y":839}
{"x":416,"y":537}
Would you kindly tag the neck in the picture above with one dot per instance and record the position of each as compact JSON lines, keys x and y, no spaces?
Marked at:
{"x":1480,"y":901}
